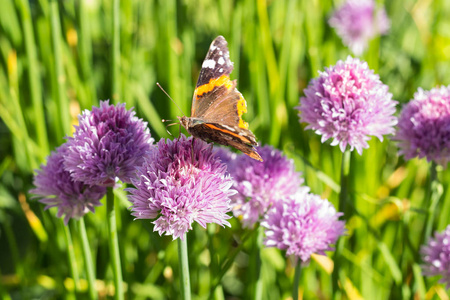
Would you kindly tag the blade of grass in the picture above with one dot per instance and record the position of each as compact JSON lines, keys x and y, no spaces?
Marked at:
{"x":115,"y":54}
{"x":34,"y":76}
{"x":85,"y":53}
{"x":114,"y":244}
{"x":62,"y":102}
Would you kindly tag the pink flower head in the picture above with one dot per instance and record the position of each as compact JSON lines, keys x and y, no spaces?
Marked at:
{"x":108,"y":144}
{"x":56,"y":188}
{"x":436,"y":256}
{"x":357,"y":22}
{"x":348,"y":103}
{"x":260,"y":184}
{"x":424,"y":126}
{"x":302,"y":224}
{"x":177,"y":187}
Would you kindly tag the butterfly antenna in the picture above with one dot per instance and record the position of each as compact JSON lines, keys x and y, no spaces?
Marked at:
{"x":167,"y":130}
{"x":170,"y":98}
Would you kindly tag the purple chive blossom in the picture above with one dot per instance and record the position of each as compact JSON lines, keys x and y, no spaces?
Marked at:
{"x":226,"y":156}
{"x":177,"y":189}
{"x":109,"y":143}
{"x":436,"y":256}
{"x":302,"y":224}
{"x":348,"y":103}
{"x":260,"y":184}
{"x":424,"y":126}
{"x":357,"y":22}
{"x":56,"y":188}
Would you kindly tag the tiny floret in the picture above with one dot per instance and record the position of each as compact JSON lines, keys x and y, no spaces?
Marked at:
{"x":348,"y":103}
{"x":107,"y":146}
{"x":56,"y":188}
{"x":181,"y":182}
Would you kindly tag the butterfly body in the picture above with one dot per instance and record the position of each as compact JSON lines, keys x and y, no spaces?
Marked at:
{"x":217,"y":106}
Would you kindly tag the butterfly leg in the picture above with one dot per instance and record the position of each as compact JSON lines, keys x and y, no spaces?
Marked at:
{"x":192,"y":151}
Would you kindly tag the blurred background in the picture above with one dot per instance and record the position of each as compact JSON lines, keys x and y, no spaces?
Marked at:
{"x":58,"y":58}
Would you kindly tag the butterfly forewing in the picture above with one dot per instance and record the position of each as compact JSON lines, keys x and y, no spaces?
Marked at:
{"x":217,"y":105}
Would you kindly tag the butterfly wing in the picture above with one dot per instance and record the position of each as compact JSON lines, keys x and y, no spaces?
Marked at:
{"x":216,"y":98}
{"x":217,"y":106}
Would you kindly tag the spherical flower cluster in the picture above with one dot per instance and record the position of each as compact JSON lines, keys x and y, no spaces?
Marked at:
{"x":302,"y":224}
{"x":108,"y":144}
{"x":260,"y":184}
{"x":56,"y":188}
{"x":424,"y":126}
{"x":357,"y":22}
{"x":348,"y":103}
{"x":181,"y":182}
{"x":436,"y":256}
{"x":226,"y":156}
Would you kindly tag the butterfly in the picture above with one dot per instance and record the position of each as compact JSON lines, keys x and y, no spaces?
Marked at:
{"x":217,"y":106}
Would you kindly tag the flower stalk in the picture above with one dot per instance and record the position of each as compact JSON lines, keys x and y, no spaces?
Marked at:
{"x":90,"y":271}
{"x":114,"y":244}
{"x":185,"y":285}
{"x":298,"y":271}
{"x":435,"y":193}
{"x":71,"y":257}
{"x":343,"y":207}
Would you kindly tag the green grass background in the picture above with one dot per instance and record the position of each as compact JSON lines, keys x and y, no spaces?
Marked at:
{"x":58,"y":58}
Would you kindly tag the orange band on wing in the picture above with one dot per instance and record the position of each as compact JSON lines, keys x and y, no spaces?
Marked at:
{"x":242,"y":138}
{"x":208,"y":87}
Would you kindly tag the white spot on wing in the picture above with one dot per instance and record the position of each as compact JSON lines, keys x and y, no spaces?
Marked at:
{"x":221,"y":61}
{"x":221,"y":70}
{"x":209,"y":63}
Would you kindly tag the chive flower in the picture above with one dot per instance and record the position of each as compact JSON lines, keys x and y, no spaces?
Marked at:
{"x":260,"y":184}
{"x":181,"y":182}
{"x":359,"y":21}
{"x":56,"y":188}
{"x":107,"y":146}
{"x":436,"y":256}
{"x":348,"y":103}
{"x":302,"y":224}
{"x":424,"y":126}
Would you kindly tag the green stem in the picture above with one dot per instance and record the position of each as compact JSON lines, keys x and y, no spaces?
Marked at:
{"x":298,"y":271}
{"x":87,"y":259}
{"x":115,"y":55}
{"x":184,"y":268}
{"x":435,"y":192}
{"x":343,"y":207}
{"x":114,"y":243}
{"x":71,"y":256}
{"x":258,"y":285}
{"x":343,"y":194}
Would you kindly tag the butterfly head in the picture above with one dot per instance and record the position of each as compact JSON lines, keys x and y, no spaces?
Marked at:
{"x":185,"y":122}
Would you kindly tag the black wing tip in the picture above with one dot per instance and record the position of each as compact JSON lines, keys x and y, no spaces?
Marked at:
{"x":220,"y":38}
